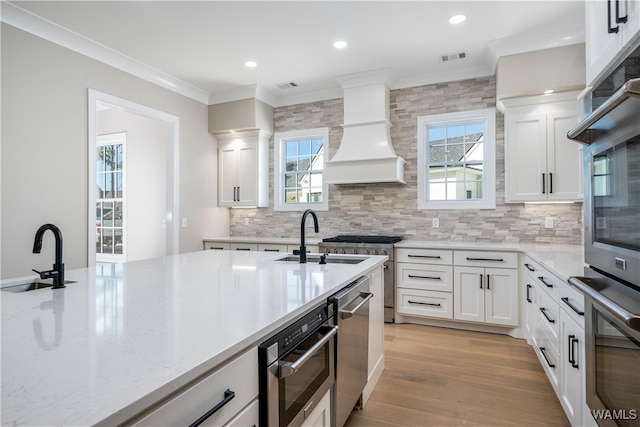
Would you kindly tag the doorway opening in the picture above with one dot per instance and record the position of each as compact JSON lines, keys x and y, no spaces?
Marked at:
{"x":133,"y":181}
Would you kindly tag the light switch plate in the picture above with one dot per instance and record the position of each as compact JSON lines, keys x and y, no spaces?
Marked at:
{"x":184,"y":222}
{"x":548,"y":222}
{"x":435,"y":222}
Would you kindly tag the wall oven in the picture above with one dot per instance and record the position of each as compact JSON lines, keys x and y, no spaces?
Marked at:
{"x":297,"y":368}
{"x":611,"y":283}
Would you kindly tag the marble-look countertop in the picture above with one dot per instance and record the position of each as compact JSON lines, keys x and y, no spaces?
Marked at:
{"x":125,"y":335}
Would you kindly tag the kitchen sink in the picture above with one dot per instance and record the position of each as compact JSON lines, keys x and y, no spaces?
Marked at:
{"x":314,"y":259}
{"x":31,"y":286}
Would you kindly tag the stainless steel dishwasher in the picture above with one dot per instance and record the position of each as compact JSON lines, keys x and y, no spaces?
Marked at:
{"x":352,"y":350}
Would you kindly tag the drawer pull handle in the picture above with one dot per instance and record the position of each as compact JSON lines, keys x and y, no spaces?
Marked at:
{"x":413,"y":276}
{"x":220,"y":248}
{"x":529,"y":267}
{"x":485,"y":259}
{"x":426,"y":303}
{"x":272,"y":250}
{"x":529,"y":296}
{"x":544,"y":312}
{"x":544,"y":354}
{"x":543,"y":280}
{"x":425,"y":256}
{"x":572,"y":354}
{"x":572,"y":307}
{"x":243,"y":249}
{"x":228,"y":396}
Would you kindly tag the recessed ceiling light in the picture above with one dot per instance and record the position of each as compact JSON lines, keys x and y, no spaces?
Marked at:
{"x":340,"y":44}
{"x":457,"y":19}
{"x":548,"y":91}
{"x":250,"y":64}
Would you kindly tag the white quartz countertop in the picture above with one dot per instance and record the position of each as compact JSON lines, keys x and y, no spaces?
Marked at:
{"x":125,"y":335}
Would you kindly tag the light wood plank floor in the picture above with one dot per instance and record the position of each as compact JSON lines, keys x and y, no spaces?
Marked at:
{"x":447,"y":377}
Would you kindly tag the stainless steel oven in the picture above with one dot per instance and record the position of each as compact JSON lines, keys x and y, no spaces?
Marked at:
{"x":297,"y":368}
{"x":611,"y":283}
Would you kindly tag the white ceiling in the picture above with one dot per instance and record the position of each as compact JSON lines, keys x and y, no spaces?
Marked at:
{"x":205,"y":43}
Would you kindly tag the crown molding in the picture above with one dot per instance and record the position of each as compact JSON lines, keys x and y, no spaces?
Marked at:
{"x":45,"y":29}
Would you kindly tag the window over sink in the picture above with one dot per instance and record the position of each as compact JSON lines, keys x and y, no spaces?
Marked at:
{"x":456,"y":160}
{"x":299,"y":164}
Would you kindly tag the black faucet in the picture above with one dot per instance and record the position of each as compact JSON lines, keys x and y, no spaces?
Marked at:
{"x":303,"y":248}
{"x":58,"y":268}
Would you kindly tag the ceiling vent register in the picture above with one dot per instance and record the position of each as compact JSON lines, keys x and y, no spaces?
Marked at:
{"x":453,"y":56}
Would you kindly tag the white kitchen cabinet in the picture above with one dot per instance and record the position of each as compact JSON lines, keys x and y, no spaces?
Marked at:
{"x":249,"y":416}
{"x":272,"y":247}
{"x":321,"y":414}
{"x":572,"y":381}
{"x":216,"y":246}
{"x":241,"y":246}
{"x":376,"y":361}
{"x":233,"y":386}
{"x":487,"y":295}
{"x":243,"y":169}
{"x":604,"y":46}
{"x":541,"y":163}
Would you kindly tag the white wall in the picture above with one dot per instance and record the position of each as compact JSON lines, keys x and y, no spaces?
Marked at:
{"x":44,"y":151}
{"x":147,"y":152}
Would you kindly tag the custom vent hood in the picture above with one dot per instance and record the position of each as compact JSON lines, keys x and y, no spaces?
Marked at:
{"x":366,"y":154}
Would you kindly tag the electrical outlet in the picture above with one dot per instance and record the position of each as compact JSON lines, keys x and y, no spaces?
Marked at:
{"x":548,"y":222}
{"x":435,"y":222}
{"x":184,"y":222}
{"x":246,"y":221}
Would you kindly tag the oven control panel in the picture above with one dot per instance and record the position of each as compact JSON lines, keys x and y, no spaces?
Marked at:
{"x":301,"y":331}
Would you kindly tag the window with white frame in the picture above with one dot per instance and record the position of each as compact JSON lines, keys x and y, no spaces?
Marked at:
{"x":456,"y":160}
{"x":299,"y":159}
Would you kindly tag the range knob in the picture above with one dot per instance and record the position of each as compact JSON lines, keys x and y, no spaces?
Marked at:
{"x":375,"y":252}
{"x":344,"y":251}
{"x":355,"y":251}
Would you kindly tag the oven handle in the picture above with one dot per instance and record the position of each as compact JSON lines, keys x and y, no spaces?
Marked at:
{"x":346,"y":314}
{"x":288,"y":368}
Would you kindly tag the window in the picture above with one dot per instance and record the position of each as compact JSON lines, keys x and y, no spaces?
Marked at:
{"x":299,"y":170}
{"x":456,"y":160}
{"x":110,"y":165}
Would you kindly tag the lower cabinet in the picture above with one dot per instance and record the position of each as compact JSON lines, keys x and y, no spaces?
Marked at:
{"x":572,"y":382}
{"x":228,"y":394}
{"x":487,"y":295}
{"x":321,"y":414}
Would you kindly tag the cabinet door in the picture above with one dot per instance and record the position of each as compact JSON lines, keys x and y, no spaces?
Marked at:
{"x":321,"y":414}
{"x":526,"y":157}
{"x":564,"y":158}
{"x":572,"y":382}
{"x":631,"y":28}
{"x":228,"y":176}
{"x":247,"y":175}
{"x":468,"y":291}
{"x":501,"y":296}
{"x":530,"y":296}
{"x":601,"y":46}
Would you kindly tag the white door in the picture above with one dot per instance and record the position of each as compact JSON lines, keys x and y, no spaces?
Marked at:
{"x":468,"y":294}
{"x":501,"y":296}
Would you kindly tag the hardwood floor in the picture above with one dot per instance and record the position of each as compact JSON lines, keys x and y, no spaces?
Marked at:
{"x":447,"y":377}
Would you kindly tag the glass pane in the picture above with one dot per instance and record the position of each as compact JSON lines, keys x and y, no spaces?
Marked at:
{"x":457,"y":191}
{"x":292,"y":164}
{"x":291,"y":149}
{"x":318,"y":163}
{"x":316,"y":180}
{"x":304,"y":147}
{"x":304,"y":179}
{"x":119,"y":185}
{"x":100,"y":185}
{"x":316,"y":146}
{"x":120,"y":157}
{"x":437,"y":191}
{"x":118,"y":214}
{"x":475,"y":131}
{"x":437,"y":173}
{"x":100,"y":159}
{"x":117,"y":242}
{"x":455,"y":152}
{"x":436,"y":134}
{"x":290,"y":180}
{"x":304,"y":163}
{"x":290,"y":196}
{"x":474,"y":152}
{"x":455,"y":134}
{"x":107,"y":241}
{"x":107,"y":214}
{"x":473,"y":189}
{"x":108,"y":157}
{"x":437,"y":154}
{"x":315,"y":195}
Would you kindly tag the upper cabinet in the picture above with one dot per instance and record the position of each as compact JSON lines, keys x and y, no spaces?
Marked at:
{"x":243,"y":169}
{"x":541,"y":164}
{"x":611,"y":28}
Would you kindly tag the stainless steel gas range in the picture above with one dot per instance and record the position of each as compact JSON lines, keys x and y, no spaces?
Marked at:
{"x":369,"y":245}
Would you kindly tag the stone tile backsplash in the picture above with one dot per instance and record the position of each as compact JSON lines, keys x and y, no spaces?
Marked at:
{"x":390,"y":209}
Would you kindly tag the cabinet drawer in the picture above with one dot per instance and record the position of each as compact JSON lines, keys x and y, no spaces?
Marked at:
{"x":486,"y":259}
{"x":550,"y":360}
{"x":425,"y":277}
{"x":425,"y":303}
{"x":208,"y":245}
{"x":239,"y":376}
{"x":572,"y":301}
{"x":267,"y":247}
{"x":244,"y":246}
{"x":548,"y":317}
{"x":424,"y":256}
{"x":549,"y":283}
{"x":247,"y":417}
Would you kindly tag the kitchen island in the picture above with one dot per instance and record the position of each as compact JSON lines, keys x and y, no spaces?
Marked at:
{"x":125,"y":336}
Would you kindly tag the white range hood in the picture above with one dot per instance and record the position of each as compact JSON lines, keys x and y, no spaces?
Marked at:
{"x":366,"y":154}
